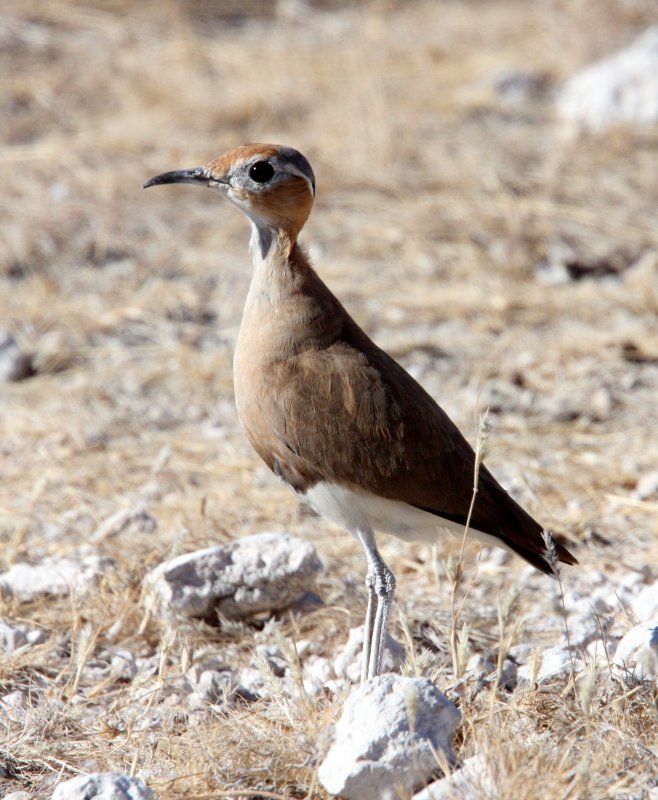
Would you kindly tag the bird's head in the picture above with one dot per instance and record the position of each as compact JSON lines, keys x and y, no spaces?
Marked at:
{"x":274,"y":185}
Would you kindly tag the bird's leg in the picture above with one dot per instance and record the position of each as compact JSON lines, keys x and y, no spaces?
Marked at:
{"x":380,"y":583}
{"x":368,"y":627}
{"x":385,"y":590}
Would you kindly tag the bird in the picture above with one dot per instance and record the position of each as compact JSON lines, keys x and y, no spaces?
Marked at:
{"x":332,"y":414}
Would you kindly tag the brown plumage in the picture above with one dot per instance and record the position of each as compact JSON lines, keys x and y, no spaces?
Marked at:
{"x":330,"y":412}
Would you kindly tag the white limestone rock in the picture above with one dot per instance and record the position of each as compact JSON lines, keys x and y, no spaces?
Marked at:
{"x":60,"y":576}
{"x":555,"y":664}
{"x":271,"y":655}
{"x":636,"y":657}
{"x":270,"y":674}
{"x":465,"y":783}
{"x":600,"y":651}
{"x":387,"y":739}
{"x":647,"y":486}
{"x":584,"y":628}
{"x":622,"y":88}
{"x":521,"y":652}
{"x":347,"y":663}
{"x":645,"y":603}
{"x":110,"y":665}
{"x":211,"y":681}
{"x":317,"y":672}
{"x":123,"y":665}
{"x":264,"y":572}
{"x":479,"y":667}
{"x":103,"y":786}
{"x":252,"y":684}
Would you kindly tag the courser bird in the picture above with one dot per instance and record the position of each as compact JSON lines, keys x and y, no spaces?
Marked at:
{"x":334,"y":416}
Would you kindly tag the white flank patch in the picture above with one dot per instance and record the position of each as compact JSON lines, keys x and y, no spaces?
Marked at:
{"x":360,"y":511}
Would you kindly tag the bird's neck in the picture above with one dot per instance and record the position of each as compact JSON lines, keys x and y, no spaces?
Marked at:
{"x":288,"y":305}
{"x":280,"y":266}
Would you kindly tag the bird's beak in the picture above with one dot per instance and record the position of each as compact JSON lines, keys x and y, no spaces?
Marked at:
{"x":200,"y":176}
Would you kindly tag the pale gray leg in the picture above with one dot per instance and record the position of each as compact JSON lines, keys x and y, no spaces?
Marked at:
{"x":368,"y":627}
{"x":385,"y":589}
{"x":380,"y":583}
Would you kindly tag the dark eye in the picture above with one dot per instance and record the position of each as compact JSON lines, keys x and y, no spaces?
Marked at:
{"x":261,"y":171}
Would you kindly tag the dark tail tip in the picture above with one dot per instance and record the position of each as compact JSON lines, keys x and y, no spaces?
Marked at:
{"x":564,"y":555}
{"x":555,"y":552}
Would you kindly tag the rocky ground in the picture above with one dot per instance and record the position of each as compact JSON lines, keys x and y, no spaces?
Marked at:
{"x":501,"y":247}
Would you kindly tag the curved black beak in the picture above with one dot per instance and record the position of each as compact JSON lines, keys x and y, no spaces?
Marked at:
{"x":197,"y":175}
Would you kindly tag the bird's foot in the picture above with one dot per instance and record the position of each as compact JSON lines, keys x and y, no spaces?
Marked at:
{"x":380,"y":583}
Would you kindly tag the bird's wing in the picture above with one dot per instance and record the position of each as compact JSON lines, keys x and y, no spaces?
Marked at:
{"x":393,"y":441}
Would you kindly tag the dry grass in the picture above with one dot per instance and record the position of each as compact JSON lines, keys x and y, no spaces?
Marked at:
{"x":437,"y":201}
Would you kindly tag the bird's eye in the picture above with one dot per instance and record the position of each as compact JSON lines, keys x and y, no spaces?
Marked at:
{"x":261,"y":171}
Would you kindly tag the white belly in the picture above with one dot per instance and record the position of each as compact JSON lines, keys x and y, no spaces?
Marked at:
{"x":360,"y":511}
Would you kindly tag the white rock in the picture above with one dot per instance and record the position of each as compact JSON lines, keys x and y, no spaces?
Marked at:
{"x":478,"y":666}
{"x":583,"y":629}
{"x":312,"y":688}
{"x":122,"y":665}
{"x":318,"y":674}
{"x":103,"y":786}
{"x":480,"y":669}
{"x":645,"y":604}
{"x":586,"y":601}
{"x":337,"y":685}
{"x":271,"y":654}
{"x":147,"y":666}
{"x":636,"y":657}
{"x":318,"y":669}
{"x":211,"y":680}
{"x":556,"y":663}
{"x":465,"y":783}
{"x":521,"y":652}
{"x":255,"y":684}
{"x":635,"y":579}
{"x":264,"y":572}
{"x":600,"y":652}
{"x":622,"y":88}
{"x":252,"y":683}
{"x":20,"y":795}
{"x":307,"y":647}
{"x":53,"y":577}
{"x":347,"y":663}
{"x":36,"y":636}
{"x":647,"y":485}
{"x":386,"y":740}
{"x":597,"y":578}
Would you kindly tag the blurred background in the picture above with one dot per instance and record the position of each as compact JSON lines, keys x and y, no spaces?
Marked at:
{"x":487,"y":218}
{"x":487,"y":188}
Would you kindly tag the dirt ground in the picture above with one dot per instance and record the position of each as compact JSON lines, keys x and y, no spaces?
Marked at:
{"x":508,"y":262}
